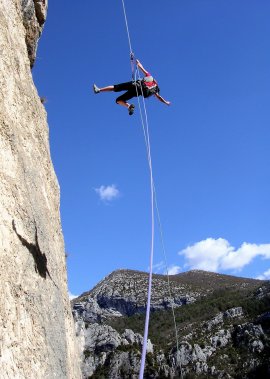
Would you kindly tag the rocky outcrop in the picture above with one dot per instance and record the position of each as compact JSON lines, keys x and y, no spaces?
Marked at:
{"x":220,"y":317}
{"x":101,"y":345}
{"x":249,"y":336}
{"x":212,"y":358}
{"x":229,"y":342}
{"x":124,"y":292}
{"x":37,"y":331}
{"x":107,"y":352}
{"x":34,"y":13}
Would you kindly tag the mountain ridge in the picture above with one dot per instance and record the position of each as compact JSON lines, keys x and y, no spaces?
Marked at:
{"x":222,"y":321}
{"x":201,"y":277}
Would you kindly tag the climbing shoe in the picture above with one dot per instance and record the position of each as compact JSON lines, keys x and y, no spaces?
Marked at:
{"x":131,"y":109}
{"x":96,"y":89}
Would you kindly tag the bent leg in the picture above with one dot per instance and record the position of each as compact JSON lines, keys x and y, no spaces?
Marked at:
{"x":122,"y":100}
{"x":123,"y":103}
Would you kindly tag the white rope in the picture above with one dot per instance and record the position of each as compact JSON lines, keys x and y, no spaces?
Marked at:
{"x":148,"y":147}
{"x":147,"y":317}
{"x":145,"y":127}
{"x":129,"y":40}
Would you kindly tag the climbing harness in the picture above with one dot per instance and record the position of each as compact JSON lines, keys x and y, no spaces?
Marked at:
{"x":154,"y":204}
{"x":149,"y":90}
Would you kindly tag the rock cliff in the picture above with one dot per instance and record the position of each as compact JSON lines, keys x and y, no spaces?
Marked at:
{"x":223,"y":329}
{"x":36,"y":325}
{"x":34,"y":14}
{"x":124,"y":292}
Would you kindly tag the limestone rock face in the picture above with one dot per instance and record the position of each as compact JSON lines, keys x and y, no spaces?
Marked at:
{"x":36,"y":326}
{"x":102,"y":345}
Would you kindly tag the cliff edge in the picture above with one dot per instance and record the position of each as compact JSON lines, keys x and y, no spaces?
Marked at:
{"x":36,"y":326}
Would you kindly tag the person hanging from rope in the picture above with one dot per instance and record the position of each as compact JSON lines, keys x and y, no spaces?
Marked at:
{"x":147,"y":87}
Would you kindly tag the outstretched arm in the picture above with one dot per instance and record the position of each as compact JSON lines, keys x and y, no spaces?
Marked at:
{"x":160,"y":98}
{"x":141,"y":67}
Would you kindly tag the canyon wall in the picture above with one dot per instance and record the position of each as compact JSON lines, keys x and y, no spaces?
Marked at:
{"x":37,"y":338}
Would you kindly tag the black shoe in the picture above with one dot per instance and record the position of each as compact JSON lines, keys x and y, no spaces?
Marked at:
{"x":131,"y":109}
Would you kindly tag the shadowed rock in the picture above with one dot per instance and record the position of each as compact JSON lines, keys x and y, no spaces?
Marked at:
{"x":34,"y":249}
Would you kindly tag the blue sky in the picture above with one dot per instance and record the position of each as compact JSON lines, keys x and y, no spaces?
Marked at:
{"x":210,"y":148}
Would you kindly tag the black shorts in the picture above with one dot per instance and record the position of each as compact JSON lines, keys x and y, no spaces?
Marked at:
{"x":130,"y":87}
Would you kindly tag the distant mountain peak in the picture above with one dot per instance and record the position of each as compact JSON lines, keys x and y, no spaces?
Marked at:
{"x":125,"y":290}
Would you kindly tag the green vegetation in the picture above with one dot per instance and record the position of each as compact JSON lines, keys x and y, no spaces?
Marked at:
{"x":102,"y":371}
{"x":87,"y":354}
{"x":129,"y":348}
{"x":188,"y":317}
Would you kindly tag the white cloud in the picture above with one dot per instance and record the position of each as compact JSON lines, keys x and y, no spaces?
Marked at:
{"x":245,"y":254}
{"x":71,"y":296}
{"x":217,"y":254}
{"x":206,"y":254}
{"x":173,"y":270}
{"x":265,"y":275}
{"x":107,"y":193}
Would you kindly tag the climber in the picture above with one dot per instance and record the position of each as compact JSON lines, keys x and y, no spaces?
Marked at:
{"x":147,"y":87}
